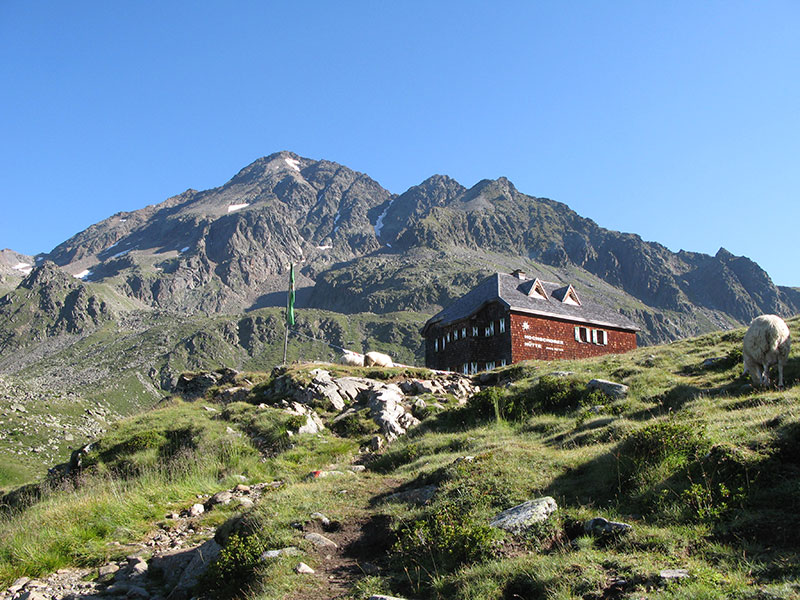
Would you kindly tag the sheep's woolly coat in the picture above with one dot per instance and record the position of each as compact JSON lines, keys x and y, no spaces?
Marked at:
{"x":377,"y":359}
{"x":766,"y":343}
{"x":352,"y":359}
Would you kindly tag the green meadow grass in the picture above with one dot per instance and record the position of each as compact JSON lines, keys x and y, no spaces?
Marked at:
{"x":704,"y":467}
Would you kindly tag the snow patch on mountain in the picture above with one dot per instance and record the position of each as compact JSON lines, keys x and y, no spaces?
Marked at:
{"x":379,"y":223}
{"x":22,"y":267}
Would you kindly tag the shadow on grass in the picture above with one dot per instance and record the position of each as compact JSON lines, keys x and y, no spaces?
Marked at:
{"x":677,"y":397}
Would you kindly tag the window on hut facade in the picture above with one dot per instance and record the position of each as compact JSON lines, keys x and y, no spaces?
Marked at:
{"x":600,"y":337}
{"x":582,"y":335}
{"x":474,"y":331}
{"x":502,"y":325}
{"x":448,"y":337}
{"x":490,"y":329}
{"x":455,"y":335}
{"x":490,"y":366}
{"x":503,"y":362}
{"x":436,"y":345}
{"x":463,"y":332}
{"x":473,"y":368}
{"x":465,"y":369}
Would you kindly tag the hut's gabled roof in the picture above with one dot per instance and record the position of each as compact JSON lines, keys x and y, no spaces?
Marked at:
{"x":559,"y":301}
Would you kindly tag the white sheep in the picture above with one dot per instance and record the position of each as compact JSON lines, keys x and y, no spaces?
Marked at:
{"x":352,"y":359}
{"x":766,"y":342}
{"x":377,"y":359}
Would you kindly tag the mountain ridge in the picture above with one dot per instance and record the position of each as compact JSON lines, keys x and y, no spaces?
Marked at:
{"x":227,"y":250}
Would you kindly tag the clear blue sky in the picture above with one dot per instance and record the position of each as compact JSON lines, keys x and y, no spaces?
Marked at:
{"x":679,"y":121}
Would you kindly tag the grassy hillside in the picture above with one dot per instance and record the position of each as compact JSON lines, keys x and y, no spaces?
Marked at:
{"x":72,"y":387}
{"x":704,"y":468}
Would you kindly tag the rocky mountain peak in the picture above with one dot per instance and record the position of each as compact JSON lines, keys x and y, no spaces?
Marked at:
{"x":49,"y":274}
{"x":279,"y":162}
{"x":227,"y":249}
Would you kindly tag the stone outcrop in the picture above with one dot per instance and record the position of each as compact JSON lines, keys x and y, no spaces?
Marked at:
{"x":390,"y":405}
{"x":609,"y":388}
{"x":518,"y":518}
{"x":599,"y":526}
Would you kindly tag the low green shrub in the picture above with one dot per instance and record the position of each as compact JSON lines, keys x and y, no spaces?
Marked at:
{"x":665,"y":440}
{"x":354,"y":426}
{"x":235,"y":567}
{"x":560,"y":393}
{"x":443,"y":540}
{"x":489,"y":403}
{"x":395,"y":458}
{"x":548,"y":394}
{"x":660,"y":461}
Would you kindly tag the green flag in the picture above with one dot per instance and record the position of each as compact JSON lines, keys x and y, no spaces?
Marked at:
{"x":290,"y":305}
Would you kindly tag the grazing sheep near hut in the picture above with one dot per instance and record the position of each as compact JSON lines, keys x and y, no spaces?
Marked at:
{"x":766,"y":342}
{"x":351,"y":359}
{"x":377,"y":359}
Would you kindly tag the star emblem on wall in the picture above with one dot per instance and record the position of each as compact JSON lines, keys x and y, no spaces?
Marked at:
{"x":525,"y":325}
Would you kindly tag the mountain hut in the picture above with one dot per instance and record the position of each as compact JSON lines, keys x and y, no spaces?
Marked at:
{"x":508,"y":318}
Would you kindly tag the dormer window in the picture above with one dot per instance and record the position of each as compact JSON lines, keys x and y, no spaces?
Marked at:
{"x":570,"y":297}
{"x":567,"y":295}
{"x":537,"y":290}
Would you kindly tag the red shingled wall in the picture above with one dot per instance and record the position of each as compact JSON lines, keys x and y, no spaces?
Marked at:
{"x":531,"y":348}
{"x":511,"y":345}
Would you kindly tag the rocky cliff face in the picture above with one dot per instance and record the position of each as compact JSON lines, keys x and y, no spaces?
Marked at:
{"x":49,"y":302}
{"x":360,"y":248}
{"x":223,"y":249}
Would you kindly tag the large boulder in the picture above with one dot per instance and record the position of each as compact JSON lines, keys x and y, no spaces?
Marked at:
{"x":609,"y":388}
{"x":387,"y":410}
{"x":519,"y":518}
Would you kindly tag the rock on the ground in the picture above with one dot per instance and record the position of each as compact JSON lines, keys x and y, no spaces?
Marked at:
{"x":199,"y":560}
{"x":609,"y":388}
{"x":288,"y":551}
{"x":313,"y":423}
{"x":673,"y":574}
{"x":33,"y":595}
{"x":317,"y":516}
{"x":107,"y":572}
{"x":322,"y":474}
{"x":387,"y":410}
{"x":518,"y":518}
{"x":320,"y":541}
{"x":223,"y":497}
{"x":303,"y":569}
{"x":600,"y":526}
{"x":420,"y":495}
{"x":196,"y":510}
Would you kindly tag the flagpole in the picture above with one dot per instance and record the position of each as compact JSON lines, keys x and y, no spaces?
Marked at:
{"x":285,"y":343}
{"x":289,"y":312}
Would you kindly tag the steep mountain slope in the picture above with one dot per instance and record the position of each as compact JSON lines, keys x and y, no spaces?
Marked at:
{"x":13,"y":267}
{"x":223,"y":249}
{"x":360,"y":248}
{"x":494,"y":216}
